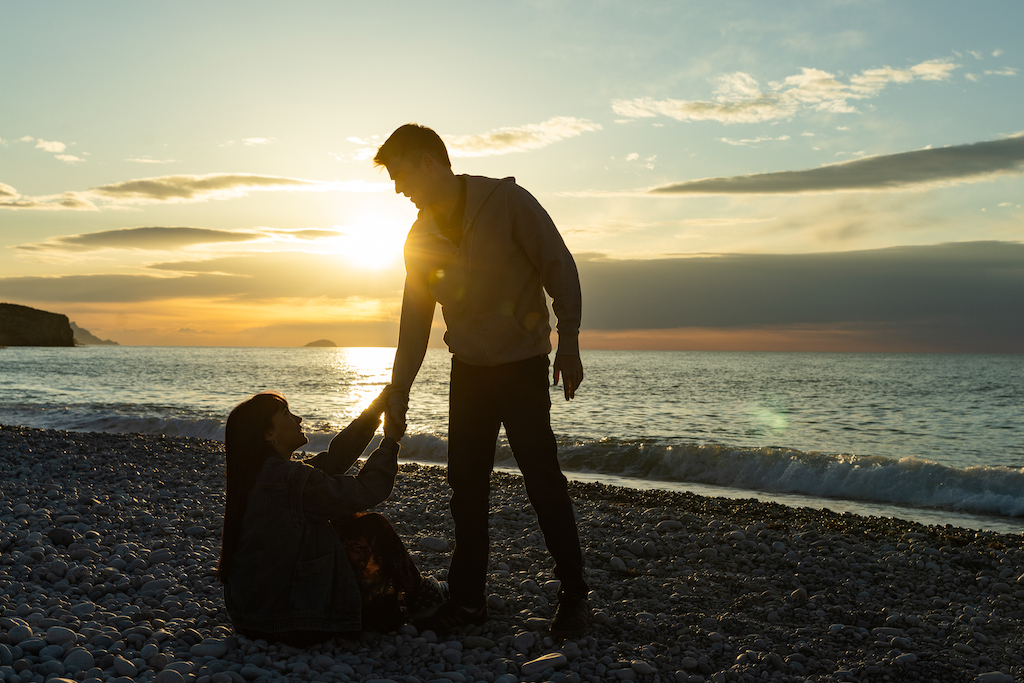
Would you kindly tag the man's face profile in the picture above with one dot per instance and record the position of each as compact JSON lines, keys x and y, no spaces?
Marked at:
{"x":413,"y":179}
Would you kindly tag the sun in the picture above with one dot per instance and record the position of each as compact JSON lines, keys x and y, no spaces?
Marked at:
{"x":369,"y":242}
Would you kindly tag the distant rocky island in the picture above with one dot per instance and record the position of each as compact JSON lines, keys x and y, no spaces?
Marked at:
{"x":84,"y":337}
{"x":26,"y":326}
{"x":321,"y":342}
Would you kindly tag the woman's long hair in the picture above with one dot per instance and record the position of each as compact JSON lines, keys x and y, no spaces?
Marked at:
{"x":246,"y":449}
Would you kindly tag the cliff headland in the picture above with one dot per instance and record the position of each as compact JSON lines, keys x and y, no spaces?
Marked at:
{"x":24,"y":326}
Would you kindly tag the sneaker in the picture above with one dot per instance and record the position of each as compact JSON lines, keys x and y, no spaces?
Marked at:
{"x":451,"y":616}
{"x":572,"y":618}
{"x":426,"y":600}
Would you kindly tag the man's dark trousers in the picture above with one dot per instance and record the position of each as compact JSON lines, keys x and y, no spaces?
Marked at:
{"x":482,"y":398}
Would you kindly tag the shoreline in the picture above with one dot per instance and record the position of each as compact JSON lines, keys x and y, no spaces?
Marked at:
{"x":686,"y":587}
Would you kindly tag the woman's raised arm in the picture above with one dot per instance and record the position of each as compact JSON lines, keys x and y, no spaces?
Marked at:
{"x":350,"y":442}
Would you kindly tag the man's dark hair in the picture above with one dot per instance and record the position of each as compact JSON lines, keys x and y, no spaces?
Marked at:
{"x":409,"y":142}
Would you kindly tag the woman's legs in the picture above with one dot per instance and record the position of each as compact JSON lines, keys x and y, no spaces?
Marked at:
{"x":387,"y":576}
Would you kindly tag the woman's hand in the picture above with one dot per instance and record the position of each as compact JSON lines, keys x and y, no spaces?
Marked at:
{"x":378,"y":405}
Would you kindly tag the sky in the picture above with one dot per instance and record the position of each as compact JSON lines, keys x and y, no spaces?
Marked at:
{"x":785,"y":176}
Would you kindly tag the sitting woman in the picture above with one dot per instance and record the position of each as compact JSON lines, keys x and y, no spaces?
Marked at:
{"x":300,"y":560}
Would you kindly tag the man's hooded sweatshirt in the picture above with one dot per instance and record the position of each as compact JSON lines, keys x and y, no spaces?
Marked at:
{"x":491,"y":286}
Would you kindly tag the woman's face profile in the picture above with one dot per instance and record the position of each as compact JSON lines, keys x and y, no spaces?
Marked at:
{"x":285,"y":433}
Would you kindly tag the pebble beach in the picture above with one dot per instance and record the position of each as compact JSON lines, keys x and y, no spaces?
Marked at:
{"x":108,"y":545}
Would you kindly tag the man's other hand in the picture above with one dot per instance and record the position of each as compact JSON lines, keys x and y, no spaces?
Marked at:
{"x":570,"y":369}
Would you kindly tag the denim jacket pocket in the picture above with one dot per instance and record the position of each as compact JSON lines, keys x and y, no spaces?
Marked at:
{"x":311,"y":584}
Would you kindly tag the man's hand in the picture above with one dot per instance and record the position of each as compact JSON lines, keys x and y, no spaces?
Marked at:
{"x":394,"y":416}
{"x":570,"y":368}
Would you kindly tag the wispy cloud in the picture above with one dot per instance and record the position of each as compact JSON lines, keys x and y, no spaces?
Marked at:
{"x":305,"y":233}
{"x":142,"y":238}
{"x":147,"y":160}
{"x":1007,"y":71}
{"x":754,"y":141}
{"x":739,"y":98}
{"x":201,"y":187}
{"x":960,"y":163}
{"x":518,"y":139}
{"x":253,"y":276}
{"x":68,"y":201}
{"x":68,"y":158}
{"x":182,"y":188}
{"x":249,"y":142}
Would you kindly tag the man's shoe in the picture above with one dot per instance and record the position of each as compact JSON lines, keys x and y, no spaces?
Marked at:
{"x":451,"y":616}
{"x":572,"y":618}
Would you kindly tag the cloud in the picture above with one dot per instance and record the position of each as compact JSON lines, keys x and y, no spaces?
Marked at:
{"x":249,"y":142}
{"x":75,"y":201}
{"x":144,"y":238}
{"x":144,"y":160}
{"x":739,"y":98}
{"x":518,"y":139}
{"x":306,"y":233}
{"x":50,"y":146}
{"x":245,"y":277}
{"x":201,"y":187}
{"x":958,"y":163}
{"x":754,"y":141}
{"x":967,"y":295}
{"x":67,"y":158}
{"x":1008,"y":71}
{"x":185,"y":188}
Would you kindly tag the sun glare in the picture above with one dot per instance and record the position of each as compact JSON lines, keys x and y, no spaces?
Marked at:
{"x":370,"y":242}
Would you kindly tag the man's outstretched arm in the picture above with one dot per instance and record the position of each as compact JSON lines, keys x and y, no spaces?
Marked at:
{"x":413,"y":334}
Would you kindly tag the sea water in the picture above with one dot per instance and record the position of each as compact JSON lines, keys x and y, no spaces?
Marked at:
{"x":931,"y":437}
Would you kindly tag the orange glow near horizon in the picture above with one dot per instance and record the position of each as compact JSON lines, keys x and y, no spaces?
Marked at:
{"x":355,"y":322}
{"x":207,"y":322}
{"x":812,"y":338}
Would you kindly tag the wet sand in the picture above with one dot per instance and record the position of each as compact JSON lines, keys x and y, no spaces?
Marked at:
{"x":109,"y":543}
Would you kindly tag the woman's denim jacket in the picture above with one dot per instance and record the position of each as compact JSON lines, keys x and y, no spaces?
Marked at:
{"x":290,"y":572}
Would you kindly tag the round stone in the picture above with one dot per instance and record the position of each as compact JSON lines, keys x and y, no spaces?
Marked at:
{"x":124,"y":668}
{"x":642,"y":667}
{"x":18,"y":634}
{"x":59,"y":635}
{"x":79,"y":658}
{"x":432,"y":543}
{"x":524,"y":641}
{"x":63,"y":537}
{"x":169,"y":676}
{"x":208,"y":649}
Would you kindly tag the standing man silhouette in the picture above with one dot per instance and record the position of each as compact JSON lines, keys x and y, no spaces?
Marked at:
{"x":486,"y":250}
